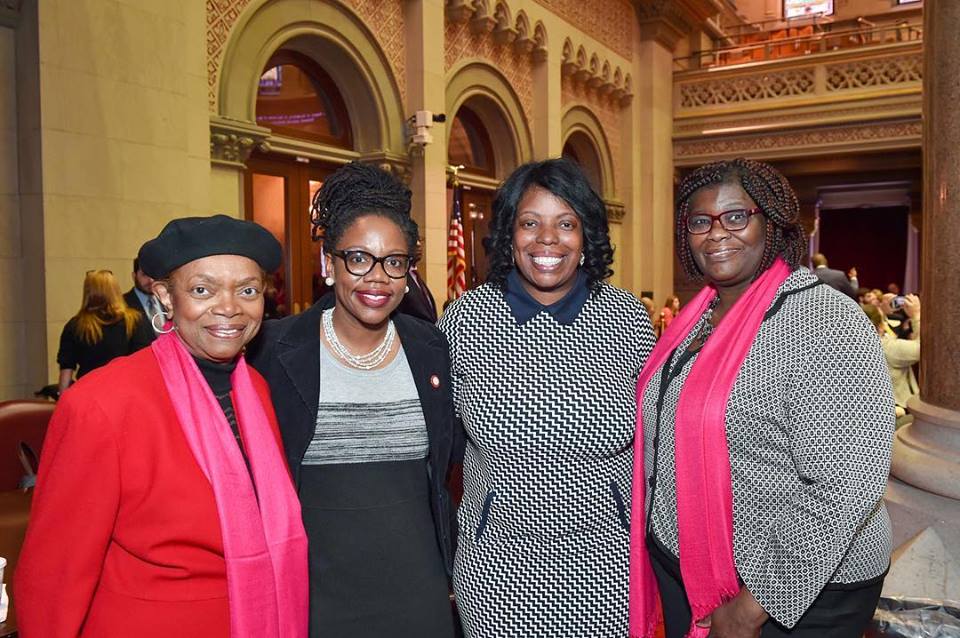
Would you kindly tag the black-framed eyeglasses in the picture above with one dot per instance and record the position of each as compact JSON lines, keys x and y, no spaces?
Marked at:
{"x":732,"y":220}
{"x":360,"y":262}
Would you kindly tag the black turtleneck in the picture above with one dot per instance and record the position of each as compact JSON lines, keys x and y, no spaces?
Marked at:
{"x":218,"y":378}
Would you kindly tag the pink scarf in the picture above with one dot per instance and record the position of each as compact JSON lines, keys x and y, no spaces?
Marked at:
{"x":704,"y":490}
{"x":264,"y":545}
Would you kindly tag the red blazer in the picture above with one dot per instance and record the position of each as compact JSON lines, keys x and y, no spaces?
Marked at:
{"x":124,"y":537}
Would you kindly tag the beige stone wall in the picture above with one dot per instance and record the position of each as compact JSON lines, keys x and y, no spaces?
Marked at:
{"x":124,"y":137}
{"x":13,"y":376}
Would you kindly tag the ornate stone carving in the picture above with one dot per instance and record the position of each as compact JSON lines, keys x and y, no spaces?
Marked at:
{"x":615,"y":211}
{"x":396,"y":165}
{"x":747,"y":89}
{"x":540,"y":38}
{"x":876,"y":72}
{"x":460,"y":41}
{"x":504,"y":32}
{"x":232,"y":141}
{"x":792,"y":119}
{"x":666,"y":21}
{"x":897,"y":134}
{"x":459,"y":10}
{"x":607,"y":21}
{"x":383,"y":17}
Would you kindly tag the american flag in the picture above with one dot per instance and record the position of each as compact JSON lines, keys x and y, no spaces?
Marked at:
{"x":456,"y":253}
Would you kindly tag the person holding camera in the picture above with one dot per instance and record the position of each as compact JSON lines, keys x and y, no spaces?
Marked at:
{"x":898,"y":322}
{"x":901,"y":353}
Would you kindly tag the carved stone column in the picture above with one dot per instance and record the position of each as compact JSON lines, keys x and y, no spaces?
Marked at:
{"x":924,"y":493}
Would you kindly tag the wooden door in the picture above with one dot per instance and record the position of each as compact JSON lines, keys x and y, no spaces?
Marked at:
{"x":278,"y":192}
{"x":477,"y":212}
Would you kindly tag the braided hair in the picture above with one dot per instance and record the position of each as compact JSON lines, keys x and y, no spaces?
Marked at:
{"x":565,"y":180}
{"x":354,"y":191}
{"x":773,"y":195}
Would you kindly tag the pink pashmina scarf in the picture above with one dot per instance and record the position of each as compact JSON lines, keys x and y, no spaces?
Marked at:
{"x":704,"y":490}
{"x":264,"y":545}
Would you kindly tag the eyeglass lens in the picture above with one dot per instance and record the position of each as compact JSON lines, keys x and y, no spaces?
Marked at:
{"x":729,"y":220}
{"x":360,"y":263}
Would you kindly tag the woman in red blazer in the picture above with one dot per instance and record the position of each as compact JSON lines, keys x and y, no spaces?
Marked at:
{"x":163,"y":506}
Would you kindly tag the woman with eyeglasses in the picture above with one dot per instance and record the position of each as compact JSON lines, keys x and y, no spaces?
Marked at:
{"x":766,"y":418}
{"x":363,"y":398}
{"x":103,"y":329}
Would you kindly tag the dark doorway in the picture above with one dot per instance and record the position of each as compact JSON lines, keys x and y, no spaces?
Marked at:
{"x":871,"y":239}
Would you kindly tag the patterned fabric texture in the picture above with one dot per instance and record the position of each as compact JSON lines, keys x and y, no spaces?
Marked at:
{"x":809,"y":430}
{"x":549,"y":411}
{"x":367,"y":416}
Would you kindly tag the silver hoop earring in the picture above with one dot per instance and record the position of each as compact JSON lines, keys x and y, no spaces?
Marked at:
{"x":329,"y":281}
{"x":406,"y":289}
{"x":583,"y":258}
{"x":160,"y":330}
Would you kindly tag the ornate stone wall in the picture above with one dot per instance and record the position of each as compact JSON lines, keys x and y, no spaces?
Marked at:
{"x":463,"y":40}
{"x":838,"y":102}
{"x":822,"y":141}
{"x":221,"y":16}
{"x":761,"y":86}
{"x":384,"y":18}
{"x":607,"y":21}
{"x":610,"y":113}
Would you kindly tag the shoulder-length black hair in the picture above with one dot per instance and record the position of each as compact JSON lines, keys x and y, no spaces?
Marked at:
{"x":565,"y":180}
{"x":767,"y":187}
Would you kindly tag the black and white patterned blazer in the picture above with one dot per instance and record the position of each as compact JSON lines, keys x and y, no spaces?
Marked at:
{"x":809,"y":430}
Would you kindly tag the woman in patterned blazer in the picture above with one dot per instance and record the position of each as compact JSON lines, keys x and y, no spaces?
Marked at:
{"x":766,"y":416}
{"x":544,"y":361}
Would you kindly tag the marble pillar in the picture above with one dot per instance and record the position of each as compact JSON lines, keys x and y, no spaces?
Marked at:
{"x":924,"y":492}
{"x":927,"y":452}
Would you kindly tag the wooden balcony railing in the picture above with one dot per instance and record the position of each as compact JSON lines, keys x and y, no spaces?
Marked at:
{"x":779,"y":45}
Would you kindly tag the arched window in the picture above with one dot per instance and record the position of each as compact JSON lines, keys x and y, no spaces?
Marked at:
{"x":470,"y":143}
{"x":299,"y":99}
{"x":580,"y":150}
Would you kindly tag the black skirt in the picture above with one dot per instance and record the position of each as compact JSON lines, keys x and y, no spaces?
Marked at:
{"x":838,"y":612}
{"x":375,"y":565}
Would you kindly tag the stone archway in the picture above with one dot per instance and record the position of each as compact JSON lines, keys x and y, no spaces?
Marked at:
{"x":484,"y":89}
{"x":335,"y":38}
{"x":582,"y":130}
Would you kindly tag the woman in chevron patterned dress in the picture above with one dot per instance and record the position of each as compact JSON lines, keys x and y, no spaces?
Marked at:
{"x":545,"y":357}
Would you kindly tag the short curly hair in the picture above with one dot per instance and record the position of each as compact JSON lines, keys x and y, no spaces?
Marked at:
{"x":767,"y":187}
{"x":356,"y":190}
{"x":565,"y":180}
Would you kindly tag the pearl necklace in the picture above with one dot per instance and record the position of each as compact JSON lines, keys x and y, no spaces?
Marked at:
{"x":368,"y":361}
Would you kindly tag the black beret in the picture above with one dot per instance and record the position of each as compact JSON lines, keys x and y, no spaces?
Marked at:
{"x":188,"y":238}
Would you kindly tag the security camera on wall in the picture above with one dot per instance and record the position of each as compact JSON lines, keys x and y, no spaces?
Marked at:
{"x":420,"y":124}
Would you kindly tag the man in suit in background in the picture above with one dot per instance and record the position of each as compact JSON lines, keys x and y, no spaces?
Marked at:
{"x":418,"y":300}
{"x":834,"y":278}
{"x":140,"y":298}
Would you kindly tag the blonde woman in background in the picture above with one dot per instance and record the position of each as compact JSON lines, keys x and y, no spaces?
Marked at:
{"x":104,"y":328}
